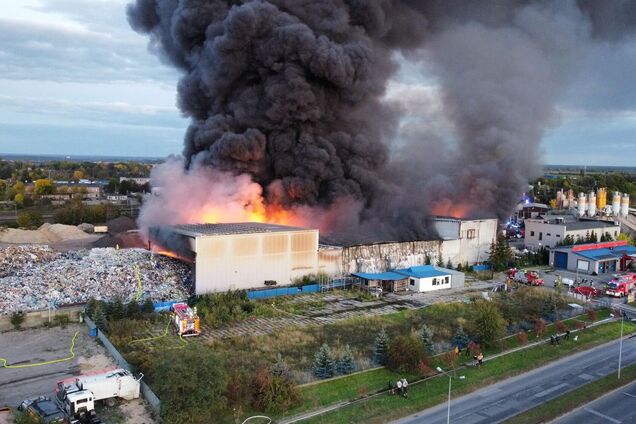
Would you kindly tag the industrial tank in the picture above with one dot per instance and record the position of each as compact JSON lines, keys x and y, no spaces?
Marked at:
{"x":582,"y":204}
{"x":625,"y":205}
{"x":601,"y":198}
{"x":616,"y":204}
{"x":591,"y":204}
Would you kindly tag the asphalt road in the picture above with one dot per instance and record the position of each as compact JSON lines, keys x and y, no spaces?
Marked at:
{"x":495,"y":403}
{"x":617,"y":407}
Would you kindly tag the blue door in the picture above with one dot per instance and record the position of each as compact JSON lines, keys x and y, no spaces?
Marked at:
{"x":561,"y":260}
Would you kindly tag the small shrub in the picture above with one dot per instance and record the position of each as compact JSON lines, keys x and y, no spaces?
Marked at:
{"x":147,"y":307}
{"x":426,"y":334}
{"x":592,"y":315}
{"x":540,"y":326}
{"x":62,"y":320}
{"x":560,"y":326}
{"x":362,"y":391}
{"x":405,"y":354}
{"x":17,"y":319}
{"x":522,"y":337}
{"x":579,"y":325}
{"x":450,"y":359}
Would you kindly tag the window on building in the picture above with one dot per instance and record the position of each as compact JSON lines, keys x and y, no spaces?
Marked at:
{"x":540,"y":235}
{"x":446,"y":280}
{"x":434,"y":281}
{"x":548,"y":234}
{"x":471,"y":234}
{"x":531,"y":233}
{"x":558,"y":235}
{"x":615,"y":233}
{"x":412,"y":282}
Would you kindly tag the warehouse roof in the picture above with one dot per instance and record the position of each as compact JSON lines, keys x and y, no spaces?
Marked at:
{"x":200,"y":230}
{"x":588,"y":225}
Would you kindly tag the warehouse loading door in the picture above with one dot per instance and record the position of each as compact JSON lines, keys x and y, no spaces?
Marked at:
{"x":560,"y":260}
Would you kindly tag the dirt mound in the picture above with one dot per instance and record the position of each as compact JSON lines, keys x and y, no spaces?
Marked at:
{"x":46,"y":234}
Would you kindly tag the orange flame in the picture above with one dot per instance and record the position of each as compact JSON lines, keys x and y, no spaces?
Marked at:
{"x":451,"y":209}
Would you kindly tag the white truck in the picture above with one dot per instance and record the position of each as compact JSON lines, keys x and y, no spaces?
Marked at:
{"x":77,"y":396}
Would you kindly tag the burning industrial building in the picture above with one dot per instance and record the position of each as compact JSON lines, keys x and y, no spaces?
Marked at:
{"x":291,"y":123}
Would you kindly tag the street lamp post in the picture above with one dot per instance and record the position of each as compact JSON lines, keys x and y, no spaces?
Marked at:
{"x":450,"y":381}
{"x":620,"y":344}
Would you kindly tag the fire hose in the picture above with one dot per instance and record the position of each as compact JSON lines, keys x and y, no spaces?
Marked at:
{"x":54,"y":361}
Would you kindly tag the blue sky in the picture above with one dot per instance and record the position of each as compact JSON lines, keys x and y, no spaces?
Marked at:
{"x":75,"y":79}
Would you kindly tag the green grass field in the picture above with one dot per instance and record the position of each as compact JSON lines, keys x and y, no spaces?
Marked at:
{"x":433,"y":391}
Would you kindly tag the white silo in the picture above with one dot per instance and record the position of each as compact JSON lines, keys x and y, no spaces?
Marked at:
{"x":625,"y":205}
{"x":591,"y":204}
{"x":616,"y":203}
{"x":582,"y":204}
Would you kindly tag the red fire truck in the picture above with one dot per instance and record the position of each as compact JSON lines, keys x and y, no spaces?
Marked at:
{"x":186,"y":320}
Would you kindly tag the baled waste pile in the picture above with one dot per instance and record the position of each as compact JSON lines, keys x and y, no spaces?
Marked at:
{"x":14,"y":259}
{"x":100,"y":273}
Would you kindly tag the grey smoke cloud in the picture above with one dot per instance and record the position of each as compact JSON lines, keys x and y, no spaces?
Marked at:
{"x":291,"y":93}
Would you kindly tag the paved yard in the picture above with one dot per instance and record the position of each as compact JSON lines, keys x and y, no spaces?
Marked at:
{"x":40,"y":345}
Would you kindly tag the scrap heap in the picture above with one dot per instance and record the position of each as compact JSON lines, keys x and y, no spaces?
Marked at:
{"x":35,"y":277}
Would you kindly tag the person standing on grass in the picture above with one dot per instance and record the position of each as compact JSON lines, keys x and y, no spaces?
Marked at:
{"x":480,"y":359}
{"x":405,"y":387}
{"x":399,"y":387}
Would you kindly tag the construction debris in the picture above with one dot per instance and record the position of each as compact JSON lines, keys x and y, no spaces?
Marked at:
{"x":35,"y":277}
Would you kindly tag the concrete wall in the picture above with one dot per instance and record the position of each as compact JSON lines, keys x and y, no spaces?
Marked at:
{"x":244,"y":261}
{"x":550,"y":234}
{"x":39,"y":318}
{"x":475,"y":239}
{"x":381,"y":257}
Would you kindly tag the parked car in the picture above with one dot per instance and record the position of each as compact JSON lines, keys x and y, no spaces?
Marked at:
{"x":588,"y":291}
{"x":44,"y":409}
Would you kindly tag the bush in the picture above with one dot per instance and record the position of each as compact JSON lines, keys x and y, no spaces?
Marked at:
{"x":62,"y":320}
{"x":522,"y":337}
{"x":324,"y":363}
{"x":17,"y":319}
{"x":191,"y":385}
{"x":273,"y":393}
{"x":147,"y":307}
{"x":217,"y":309}
{"x":540,"y":327}
{"x":406,"y":354}
{"x":30,"y":219}
{"x":592,"y":315}
{"x":560,"y":326}
{"x":461,"y":339}
{"x":488,"y":322}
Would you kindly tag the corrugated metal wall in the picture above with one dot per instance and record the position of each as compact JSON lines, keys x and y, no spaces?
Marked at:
{"x":230,"y":262}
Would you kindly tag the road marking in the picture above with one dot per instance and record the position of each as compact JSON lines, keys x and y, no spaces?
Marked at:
{"x":598,"y":414}
{"x":629,"y":394}
{"x":548,"y":391}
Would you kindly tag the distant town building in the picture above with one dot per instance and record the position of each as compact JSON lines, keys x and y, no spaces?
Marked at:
{"x":140,"y":181}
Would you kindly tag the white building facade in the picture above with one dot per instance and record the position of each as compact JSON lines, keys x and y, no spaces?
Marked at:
{"x":550,"y":233}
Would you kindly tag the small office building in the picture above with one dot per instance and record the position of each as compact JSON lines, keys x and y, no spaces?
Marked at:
{"x":422,"y":278}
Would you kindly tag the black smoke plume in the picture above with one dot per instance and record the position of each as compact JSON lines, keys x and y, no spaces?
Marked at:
{"x":293,"y":94}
